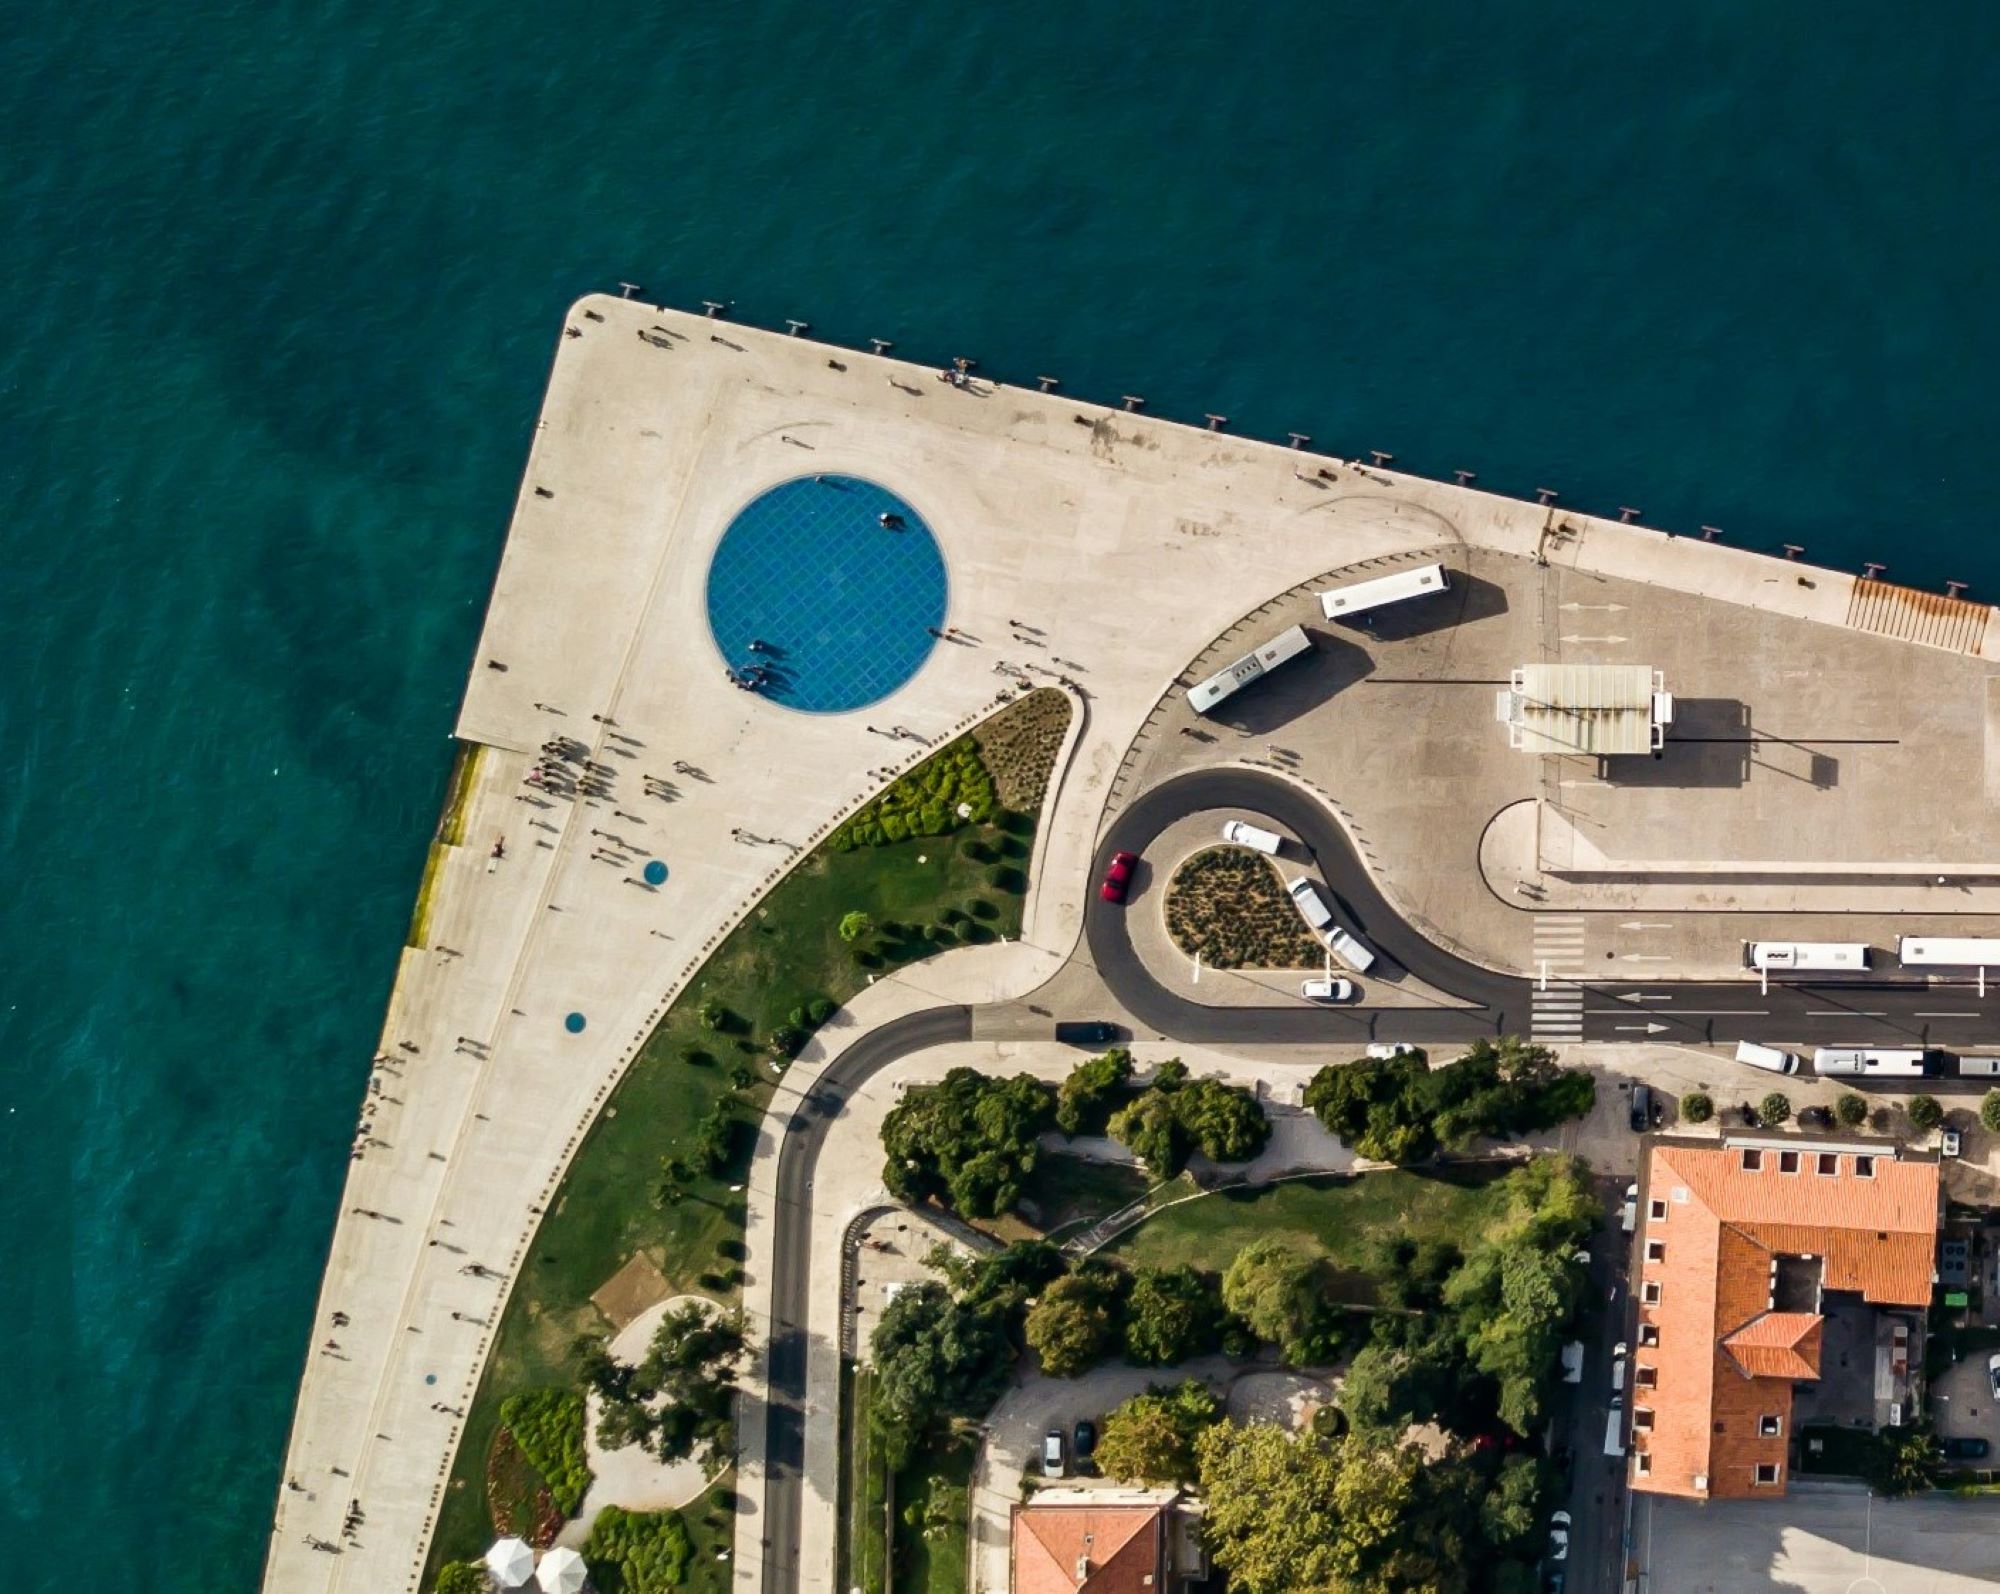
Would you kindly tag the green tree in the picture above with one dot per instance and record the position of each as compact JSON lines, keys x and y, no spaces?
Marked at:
{"x":936,"y":1357}
{"x":1989,"y":1110}
{"x":1172,"y":1314}
{"x":462,"y":1577}
{"x":1905,"y":1461}
{"x":1272,"y":1519}
{"x":1377,"y":1106}
{"x":670,"y":1189}
{"x":1411,"y":1370}
{"x":1274,"y":1289}
{"x":1150,"y":1439}
{"x":1512,"y":1509}
{"x":1925,"y":1113}
{"x":1697,"y":1108}
{"x":689,"y":1369}
{"x":856,"y":927}
{"x":968,"y":1140}
{"x":1073,"y":1325}
{"x":1151,"y":1130}
{"x":1084,"y":1102}
{"x":1852,"y":1110}
{"x":1225,"y":1121}
{"x":1774,"y":1109}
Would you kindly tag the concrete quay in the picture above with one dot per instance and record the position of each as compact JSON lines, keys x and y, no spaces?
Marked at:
{"x":1130,"y":541}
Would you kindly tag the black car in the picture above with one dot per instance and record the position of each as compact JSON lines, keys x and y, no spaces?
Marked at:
{"x":1087,"y":1034}
{"x":1084,"y":1440}
{"x":1964,"y":1449}
{"x":1642,"y":1109}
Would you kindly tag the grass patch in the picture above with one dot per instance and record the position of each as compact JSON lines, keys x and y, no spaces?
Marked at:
{"x":1334,"y":1216}
{"x":1228,"y":905}
{"x":864,"y":1489}
{"x":931,"y":1551}
{"x":786,"y":954}
{"x":420,"y":916}
{"x":1063,"y":1192}
{"x":1019,"y":745}
{"x":547,"y":1424}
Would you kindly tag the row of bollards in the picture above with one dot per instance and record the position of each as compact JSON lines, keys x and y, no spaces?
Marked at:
{"x":1871,"y":570}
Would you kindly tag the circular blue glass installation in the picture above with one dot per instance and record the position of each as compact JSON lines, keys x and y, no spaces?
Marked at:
{"x":655,"y":872}
{"x":826,"y":594}
{"x":574,"y":1023}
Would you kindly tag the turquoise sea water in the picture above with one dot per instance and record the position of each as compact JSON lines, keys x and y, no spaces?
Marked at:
{"x":282,"y":285}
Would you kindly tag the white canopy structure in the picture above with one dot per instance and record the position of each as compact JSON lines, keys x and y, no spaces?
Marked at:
{"x":561,"y":1572}
{"x":511,"y":1562}
{"x":1603,"y":709}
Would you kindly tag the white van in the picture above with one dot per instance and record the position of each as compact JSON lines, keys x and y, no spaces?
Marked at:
{"x":1614,"y":1427}
{"x":1316,"y":912}
{"x":1572,"y":1362}
{"x":1351,"y":950}
{"x":1767,"y":1057}
{"x":1979,"y":1068}
{"x":1250,"y":836}
{"x":1618,"y":1367}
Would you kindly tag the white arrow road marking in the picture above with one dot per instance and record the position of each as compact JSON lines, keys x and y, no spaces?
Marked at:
{"x":1650,"y":1029}
{"x":1641,"y":996}
{"x":1611,"y":639}
{"x":1643,"y":957}
{"x":1643,"y":924}
{"x":1601,"y":608}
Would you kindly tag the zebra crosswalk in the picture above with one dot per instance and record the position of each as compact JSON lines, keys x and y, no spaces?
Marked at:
{"x":1556,"y":1003}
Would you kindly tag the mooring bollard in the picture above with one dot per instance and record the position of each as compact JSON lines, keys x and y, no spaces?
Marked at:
{"x":1870,"y":570}
{"x":627,"y":290}
{"x":1627,"y":515}
{"x":1792,"y":549}
{"x":1379,"y":457}
{"x":1545,"y":495}
{"x":1133,"y":401}
{"x":882,"y":345}
{"x":713,"y":308}
{"x":1466,"y":477}
{"x":1710,"y":533}
{"x":795,"y":327}
{"x":1047,"y":383}
{"x":1216,"y":422}
{"x":1954,"y":589}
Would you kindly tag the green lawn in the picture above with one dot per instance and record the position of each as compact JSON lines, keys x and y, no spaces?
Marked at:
{"x":934,"y":1563}
{"x":1336,"y":1217}
{"x":864,"y":1490}
{"x":788,"y":952}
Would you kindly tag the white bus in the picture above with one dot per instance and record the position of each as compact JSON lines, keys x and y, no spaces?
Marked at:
{"x":1848,"y":956}
{"x":1947,"y":951}
{"x":1345,"y":602}
{"x":1252,"y":666}
{"x":1872,"y":1062}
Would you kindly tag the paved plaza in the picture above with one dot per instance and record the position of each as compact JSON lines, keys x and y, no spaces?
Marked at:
{"x":558,"y":931}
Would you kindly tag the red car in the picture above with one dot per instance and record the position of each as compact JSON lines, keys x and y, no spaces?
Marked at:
{"x":1118,"y":877}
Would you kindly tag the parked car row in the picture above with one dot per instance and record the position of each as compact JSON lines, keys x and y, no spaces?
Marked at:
{"x":1056,"y":1462}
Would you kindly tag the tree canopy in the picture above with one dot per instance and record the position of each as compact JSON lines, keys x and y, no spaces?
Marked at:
{"x":936,"y":1356}
{"x":1177,"y":1115}
{"x":1276,"y":1290}
{"x":1399,"y":1109}
{"x":1172,"y":1314}
{"x":1085,"y":1101}
{"x":968,"y":1140}
{"x":1074,"y":1323}
{"x":1151,"y":1438}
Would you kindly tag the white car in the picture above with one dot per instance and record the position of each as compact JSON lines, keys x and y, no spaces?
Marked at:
{"x":1350,"y":949}
{"x":1993,"y":1373}
{"x":1327,"y":990}
{"x":1250,"y":836}
{"x":1631,"y":1215}
{"x":1384,"y":1049}
{"x":1052,"y":1454}
{"x":1559,"y":1536}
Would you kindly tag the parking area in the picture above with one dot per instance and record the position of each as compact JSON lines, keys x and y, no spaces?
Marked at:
{"x":1962,"y":1402}
{"x":1821,"y":1538}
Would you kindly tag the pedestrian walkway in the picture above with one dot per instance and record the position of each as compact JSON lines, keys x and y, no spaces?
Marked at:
{"x":1557,"y":1001}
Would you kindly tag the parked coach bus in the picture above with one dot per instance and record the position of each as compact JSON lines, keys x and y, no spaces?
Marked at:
{"x":1343,"y":603}
{"x":1947,"y":951}
{"x":1251,"y":667}
{"x":1846,"y":956}
{"x":1847,"y":1062}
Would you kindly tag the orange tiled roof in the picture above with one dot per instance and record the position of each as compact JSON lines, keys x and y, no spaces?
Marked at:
{"x":1712,"y":1401}
{"x":1778,"y":1345}
{"x":1117,"y":1549}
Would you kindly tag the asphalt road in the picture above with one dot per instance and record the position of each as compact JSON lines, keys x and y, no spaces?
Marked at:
{"x":1802,"y":1014}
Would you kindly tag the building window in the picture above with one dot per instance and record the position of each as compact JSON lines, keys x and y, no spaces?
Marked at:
{"x":1767,"y":1472}
{"x":1642,"y":1417}
{"x":1770,"y":1425}
{"x":1788,"y":1162}
{"x":1656,"y":1250}
{"x":1649,"y":1292}
{"x":1753,"y":1159}
{"x":1829,"y":1163}
{"x":1649,"y":1333}
{"x":1864,"y":1167}
{"x":1645,"y":1377}
{"x":1642,"y":1465}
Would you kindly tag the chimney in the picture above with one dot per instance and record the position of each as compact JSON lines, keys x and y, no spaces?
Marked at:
{"x":1082,"y":1569}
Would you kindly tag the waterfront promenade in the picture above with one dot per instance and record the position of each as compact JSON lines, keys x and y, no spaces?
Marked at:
{"x":1129,"y":542}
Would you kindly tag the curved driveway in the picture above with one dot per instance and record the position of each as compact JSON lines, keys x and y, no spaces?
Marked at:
{"x":1692,"y":1012}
